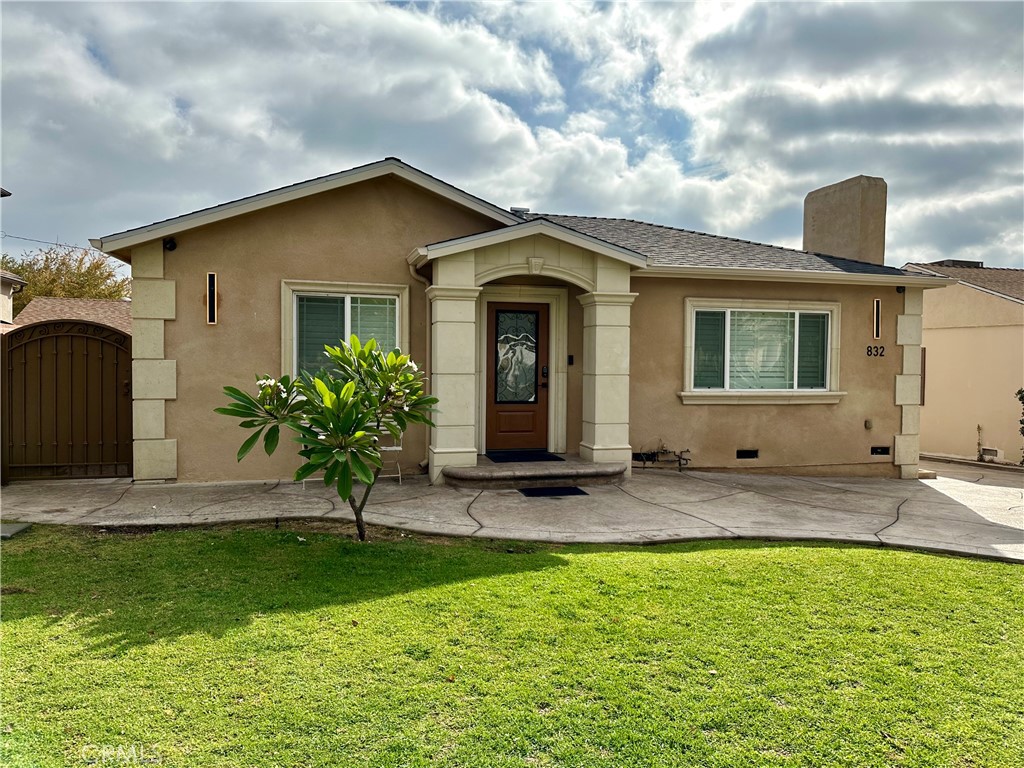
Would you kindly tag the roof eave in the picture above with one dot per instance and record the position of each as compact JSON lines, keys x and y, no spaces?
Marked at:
{"x":118,"y":243}
{"x":794,"y":276}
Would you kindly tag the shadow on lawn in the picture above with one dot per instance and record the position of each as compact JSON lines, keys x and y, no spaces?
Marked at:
{"x":132,"y":588}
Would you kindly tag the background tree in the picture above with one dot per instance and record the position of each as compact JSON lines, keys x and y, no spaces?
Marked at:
{"x":67,"y":272}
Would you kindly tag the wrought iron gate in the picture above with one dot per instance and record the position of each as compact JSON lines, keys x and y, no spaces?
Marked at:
{"x":67,"y":402}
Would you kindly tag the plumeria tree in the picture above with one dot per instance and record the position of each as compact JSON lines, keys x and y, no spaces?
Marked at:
{"x":338,"y":415}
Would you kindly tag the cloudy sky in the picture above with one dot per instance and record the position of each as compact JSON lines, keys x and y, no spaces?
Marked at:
{"x":709,"y":117}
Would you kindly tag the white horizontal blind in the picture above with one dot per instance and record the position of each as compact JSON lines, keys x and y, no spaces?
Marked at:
{"x":761,"y":350}
{"x":375,"y":318}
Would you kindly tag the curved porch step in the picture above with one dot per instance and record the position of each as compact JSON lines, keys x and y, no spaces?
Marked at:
{"x":533,"y":474}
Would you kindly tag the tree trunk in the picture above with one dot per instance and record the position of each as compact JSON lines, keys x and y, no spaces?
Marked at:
{"x":357,"y":509}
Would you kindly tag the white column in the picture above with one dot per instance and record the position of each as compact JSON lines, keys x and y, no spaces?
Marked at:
{"x":606,"y":377}
{"x":453,"y":377}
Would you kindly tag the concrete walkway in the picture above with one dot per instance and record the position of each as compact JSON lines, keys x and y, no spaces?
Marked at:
{"x":966,"y":510}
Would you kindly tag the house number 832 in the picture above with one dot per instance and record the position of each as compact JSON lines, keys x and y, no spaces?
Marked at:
{"x":874,"y":351}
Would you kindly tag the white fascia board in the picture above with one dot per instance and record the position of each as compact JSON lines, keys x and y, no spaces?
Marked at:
{"x":793,"y":276}
{"x":526,"y":229}
{"x":132,"y":237}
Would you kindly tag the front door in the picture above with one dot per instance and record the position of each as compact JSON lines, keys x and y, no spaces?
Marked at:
{"x":517,"y":376}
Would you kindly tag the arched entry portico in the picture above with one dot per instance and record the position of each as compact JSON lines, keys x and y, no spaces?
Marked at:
{"x":459,"y":295}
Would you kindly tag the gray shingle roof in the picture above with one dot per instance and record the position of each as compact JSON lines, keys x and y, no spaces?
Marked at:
{"x":12,"y":278}
{"x":670,"y":247}
{"x":1008,"y":282}
{"x":42,"y":309}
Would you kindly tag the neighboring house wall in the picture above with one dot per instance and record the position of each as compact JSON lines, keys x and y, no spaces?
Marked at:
{"x":356,"y":234}
{"x":790,"y":431}
{"x":974,"y":345}
{"x":10,"y":284}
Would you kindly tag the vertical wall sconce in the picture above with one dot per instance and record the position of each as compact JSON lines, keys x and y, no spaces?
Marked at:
{"x":211,"y":298}
{"x":876,"y":320}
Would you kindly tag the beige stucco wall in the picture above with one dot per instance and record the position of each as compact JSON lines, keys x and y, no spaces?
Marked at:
{"x":974,"y":363}
{"x":356,"y":234}
{"x":805,"y":438}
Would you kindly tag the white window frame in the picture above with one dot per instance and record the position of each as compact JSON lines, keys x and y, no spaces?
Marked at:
{"x":292,"y":289}
{"x":829,"y":394}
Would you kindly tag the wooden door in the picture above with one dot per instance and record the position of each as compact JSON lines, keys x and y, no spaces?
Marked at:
{"x":66,"y":401}
{"x":517,"y":376}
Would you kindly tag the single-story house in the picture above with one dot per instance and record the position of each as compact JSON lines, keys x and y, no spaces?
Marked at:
{"x":973,"y":341}
{"x":591,"y":336}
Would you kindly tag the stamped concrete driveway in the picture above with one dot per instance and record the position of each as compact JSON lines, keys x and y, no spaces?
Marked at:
{"x":966,"y":510}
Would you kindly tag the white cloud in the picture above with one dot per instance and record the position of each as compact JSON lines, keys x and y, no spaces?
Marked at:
{"x":710,"y":116}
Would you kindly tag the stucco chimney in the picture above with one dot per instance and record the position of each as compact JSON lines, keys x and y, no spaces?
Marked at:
{"x":847,"y":219}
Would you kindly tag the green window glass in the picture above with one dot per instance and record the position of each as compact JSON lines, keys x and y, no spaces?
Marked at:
{"x":813,"y":355}
{"x":320,"y":320}
{"x":709,"y":350}
{"x":325,"y":320}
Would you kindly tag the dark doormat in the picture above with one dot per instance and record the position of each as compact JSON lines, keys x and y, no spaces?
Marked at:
{"x":505,"y":457}
{"x":558,"y":490}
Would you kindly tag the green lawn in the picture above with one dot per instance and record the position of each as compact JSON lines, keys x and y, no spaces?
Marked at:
{"x":238,"y":647}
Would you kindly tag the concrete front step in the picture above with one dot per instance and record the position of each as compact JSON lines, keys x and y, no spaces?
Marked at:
{"x":533,"y":474}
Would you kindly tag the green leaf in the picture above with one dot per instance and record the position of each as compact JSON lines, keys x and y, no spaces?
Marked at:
{"x":363,"y":472}
{"x":345,"y":481}
{"x":305,"y":471}
{"x":239,"y":411}
{"x":248,"y":444}
{"x":243,"y":397}
{"x":270,"y":441}
{"x":332,"y":473}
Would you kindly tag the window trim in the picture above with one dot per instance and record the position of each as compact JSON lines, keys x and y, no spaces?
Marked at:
{"x":291,"y":289}
{"x":829,"y":395}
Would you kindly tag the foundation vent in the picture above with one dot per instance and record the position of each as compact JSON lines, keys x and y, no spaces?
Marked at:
{"x":747,"y":453}
{"x":880,"y":450}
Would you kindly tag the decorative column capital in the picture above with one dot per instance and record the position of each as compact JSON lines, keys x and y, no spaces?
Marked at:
{"x":453,"y":293}
{"x":606,"y":298}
